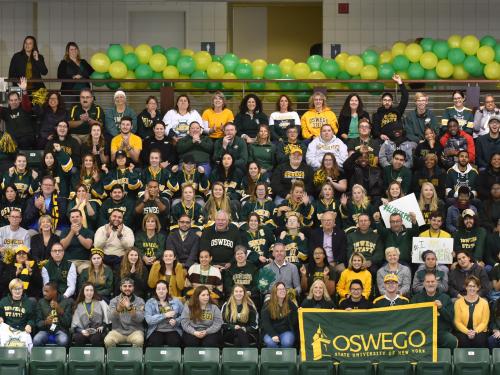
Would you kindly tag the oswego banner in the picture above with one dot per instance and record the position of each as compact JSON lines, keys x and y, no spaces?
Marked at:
{"x":407,"y":332}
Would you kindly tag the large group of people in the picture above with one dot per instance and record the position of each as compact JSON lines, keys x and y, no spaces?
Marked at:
{"x":200,"y":230}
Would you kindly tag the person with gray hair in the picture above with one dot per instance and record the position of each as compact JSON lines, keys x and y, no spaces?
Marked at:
{"x":285,"y":272}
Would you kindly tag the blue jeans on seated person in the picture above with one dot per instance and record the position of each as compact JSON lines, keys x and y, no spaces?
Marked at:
{"x":42,"y":338}
{"x":287,"y":340}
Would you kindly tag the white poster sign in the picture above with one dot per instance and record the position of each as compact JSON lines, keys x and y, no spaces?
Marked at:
{"x":402,"y":206}
{"x":443,"y":247}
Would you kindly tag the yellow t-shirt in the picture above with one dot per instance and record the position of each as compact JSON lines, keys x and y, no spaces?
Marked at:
{"x":135,"y":142}
{"x":217,"y":120}
{"x":312,"y":121}
{"x":442,"y":234}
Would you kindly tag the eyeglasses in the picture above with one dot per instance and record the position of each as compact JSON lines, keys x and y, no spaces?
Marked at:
{"x":57,"y":251}
{"x":184,"y":222}
{"x":18,"y":289}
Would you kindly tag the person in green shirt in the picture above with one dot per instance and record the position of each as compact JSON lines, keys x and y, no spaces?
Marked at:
{"x":77,"y":240}
{"x":98,"y":274}
{"x":233,"y":144}
{"x":16,"y":309}
{"x":470,"y":236}
{"x":241,"y":272}
{"x":150,"y":241}
{"x":396,"y":171}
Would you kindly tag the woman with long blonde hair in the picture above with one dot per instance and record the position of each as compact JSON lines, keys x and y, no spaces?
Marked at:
{"x":318,"y":297}
{"x":240,"y":318}
{"x":218,"y":200}
{"x":279,"y":318}
{"x":355,"y":271}
{"x":429,"y":201}
{"x":350,"y":208}
{"x":98,"y":274}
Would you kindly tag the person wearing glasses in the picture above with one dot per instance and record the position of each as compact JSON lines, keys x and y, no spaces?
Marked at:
{"x":61,"y":271}
{"x":85,"y":114}
{"x":483,"y":115}
{"x":459,"y":112}
{"x":13,"y":235}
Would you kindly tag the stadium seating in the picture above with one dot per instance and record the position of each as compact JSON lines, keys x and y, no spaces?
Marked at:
{"x":13,"y":361}
{"x":278,"y":361}
{"x":471,"y":361}
{"x":443,"y":365}
{"x":240,"y":361}
{"x":86,"y":361}
{"x":201,"y":361}
{"x":162,"y":361}
{"x":124,"y":361}
{"x":48,"y":361}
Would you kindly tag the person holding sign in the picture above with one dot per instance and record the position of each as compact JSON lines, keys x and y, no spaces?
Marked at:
{"x":466,"y":267}
{"x":431,"y":293}
{"x":472,"y":314}
{"x":391,"y":297}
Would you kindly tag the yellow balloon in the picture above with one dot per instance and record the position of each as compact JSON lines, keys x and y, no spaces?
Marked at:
{"x":459,"y":72}
{"x":385,"y":57}
{"x":413,"y":51}
{"x":444,"y":69}
{"x":286,"y":66}
{"x":469,"y":44}
{"x":404,"y":76}
{"x":158,"y":62}
{"x":202,"y":59}
{"x":486,"y":54}
{"x":229,"y":85}
{"x":334,"y":86}
{"x":215,"y":70}
{"x":100,"y":62}
{"x":187,"y":52}
{"x":183,"y":85}
{"x":127,"y":48}
{"x":369,"y":72}
{"x":258,"y":67}
{"x":341,"y":59}
{"x":492,"y":70}
{"x":118,"y":70}
{"x":170,"y":72}
{"x":353,"y":65}
{"x":316,"y":75}
{"x":428,"y":60}
{"x":398,"y":48}
{"x":454,"y":41}
{"x":272,"y":96}
{"x":301,"y":70}
{"x":144,"y":53}
{"x":245,"y":61}
{"x":129,"y":85}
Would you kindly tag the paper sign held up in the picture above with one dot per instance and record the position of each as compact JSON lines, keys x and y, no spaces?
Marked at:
{"x":402,"y":206}
{"x":443,"y":247}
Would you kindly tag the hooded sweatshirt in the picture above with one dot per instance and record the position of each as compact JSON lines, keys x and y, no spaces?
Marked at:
{"x":312,"y":121}
{"x":319,"y":147}
{"x":455,"y":179}
{"x":383,"y":116}
{"x":211,"y":320}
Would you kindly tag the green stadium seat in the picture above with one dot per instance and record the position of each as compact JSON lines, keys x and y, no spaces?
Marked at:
{"x":394,"y":368}
{"x":13,"y":361}
{"x":495,"y":359}
{"x":240,"y":361}
{"x":321,"y":367}
{"x":48,"y":361}
{"x":278,"y":361}
{"x":355,"y":368}
{"x":86,"y":361}
{"x":201,"y":361}
{"x":441,"y":367}
{"x":124,"y":361}
{"x":471,"y":361}
{"x":162,"y":361}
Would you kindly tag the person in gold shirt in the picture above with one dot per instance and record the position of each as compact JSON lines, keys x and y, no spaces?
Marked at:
{"x":317,"y":116}
{"x":217,"y":116}
{"x":130,"y":143}
{"x":436,"y":222}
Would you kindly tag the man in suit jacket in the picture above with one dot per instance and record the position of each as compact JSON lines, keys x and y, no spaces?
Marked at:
{"x":184,"y":241}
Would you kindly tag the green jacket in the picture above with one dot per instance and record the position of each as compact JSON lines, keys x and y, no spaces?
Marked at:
{"x":105,"y":289}
{"x":59,"y":273}
{"x":415,"y":124}
{"x":369,"y":244}
{"x":264,"y":155}
{"x":296,"y":249}
{"x":201,"y":152}
{"x":403,"y":240}
{"x":445,"y":313}
{"x":474,"y":241}
{"x":18,"y":314}
{"x":249,"y":125}
{"x":403,"y":176}
{"x":62,"y":321}
{"x":237,"y":148}
{"x":259,"y":244}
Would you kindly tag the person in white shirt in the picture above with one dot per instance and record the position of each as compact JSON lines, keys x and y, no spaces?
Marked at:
{"x":284,"y":116}
{"x":326,"y":142}
{"x":177,"y":120}
{"x":13,"y":235}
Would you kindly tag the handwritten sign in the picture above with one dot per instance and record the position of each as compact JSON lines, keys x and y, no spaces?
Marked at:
{"x":402,"y":206}
{"x":443,"y":247}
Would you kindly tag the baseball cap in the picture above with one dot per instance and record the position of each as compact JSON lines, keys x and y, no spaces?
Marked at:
{"x":120,"y":153}
{"x":391,"y":277}
{"x":468,"y":212}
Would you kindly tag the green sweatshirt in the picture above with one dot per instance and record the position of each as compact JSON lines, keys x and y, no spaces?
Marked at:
{"x":264,"y":155}
{"x":237,"y":148}
{"x":194,"y":212}
{"x":403,"y":176}
{"x":258,"y":243}
{"x":201,"y":152}
{"x":474,"y":241}
{"x":403,"y":240}
{"x":368,"y":244}
{"x":18,"y":314}
{"x":296,"y":250}
{"x":245,"y":276}
{"x":125,"y":205}
{"x":150,"y":247}
{"x":62,"y":321}
{"x":445,"y":313}
{"x":105,"y":289}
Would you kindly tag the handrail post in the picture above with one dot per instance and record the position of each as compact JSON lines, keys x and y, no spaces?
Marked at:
{"x":167,"y":94}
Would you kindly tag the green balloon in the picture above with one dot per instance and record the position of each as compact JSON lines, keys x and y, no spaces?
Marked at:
{"x":431,"y":74}
{"x":143,"y":71}
{"x":370,"y":57}
{"x":303,"y":86}
{"x":488,"y":40}
{"x":385,"y":71}
{"x":343,"y":75}
{"x":186,"y":65}
{"x":214,"y":86}
{"x":156,"y":85}
{"x":314,"y":62}
{"x":272,"y":71}
{"x":358,"y":86}
{"x":113,"y":85}
{"x":400,"y":63}
{"x":440,"y":49}
{"x":216,"y":58}
{"x":330,"y":68}
{"x":497,"y":53}
{"x":172,"y":55}
{"x":131,"y":60}
{"x":427,"y":44}
{"x":256,"y":85}
{"x":199,"y":74}
{"x":158,"y":49}
{"x":243,"y":71}
{"x":456,"y":56}
{"x":230,"y":61}
{"x":376,"y":86}
{"x":303,"y":96}
{"x":472,"y":65}
{"x":115,"y":52}
{"x":97,"y":75}
{"x":286,"y":86}
{"x":415,"y":71}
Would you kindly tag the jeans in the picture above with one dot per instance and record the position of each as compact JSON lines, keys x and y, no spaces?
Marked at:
{"x":42,"y":338}
{"x":287,"y":340}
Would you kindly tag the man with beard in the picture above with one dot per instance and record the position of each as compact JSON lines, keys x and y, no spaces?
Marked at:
{"x":462,"y":174}
{"x":397,"y":141}
{"x":130,"y":143}
{"x":470,"y":236}
{"x":387,"y":114}
{"x":117,"y":200}
{"x":454,"y":141}
{"x":185,"y":241}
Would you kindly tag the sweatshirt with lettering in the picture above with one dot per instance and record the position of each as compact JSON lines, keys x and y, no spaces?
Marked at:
{"x":220,"y":243}
{"x":211,"y":320}
{"x":17,"y":314}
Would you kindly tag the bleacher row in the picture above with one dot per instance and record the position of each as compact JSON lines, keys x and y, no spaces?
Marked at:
{"x":231,"y":361}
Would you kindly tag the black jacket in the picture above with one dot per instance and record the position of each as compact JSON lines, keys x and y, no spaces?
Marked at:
{"x":370,"y":177}
{"x":486,"y":180}
{"x":345,"y":121}
{"x":387,"y":116}
{"x":17,"y":68}
{"x":339,"y":243}
{"x":68,"y":69}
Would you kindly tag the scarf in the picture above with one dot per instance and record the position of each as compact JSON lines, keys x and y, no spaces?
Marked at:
{"x":24,"y":275}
